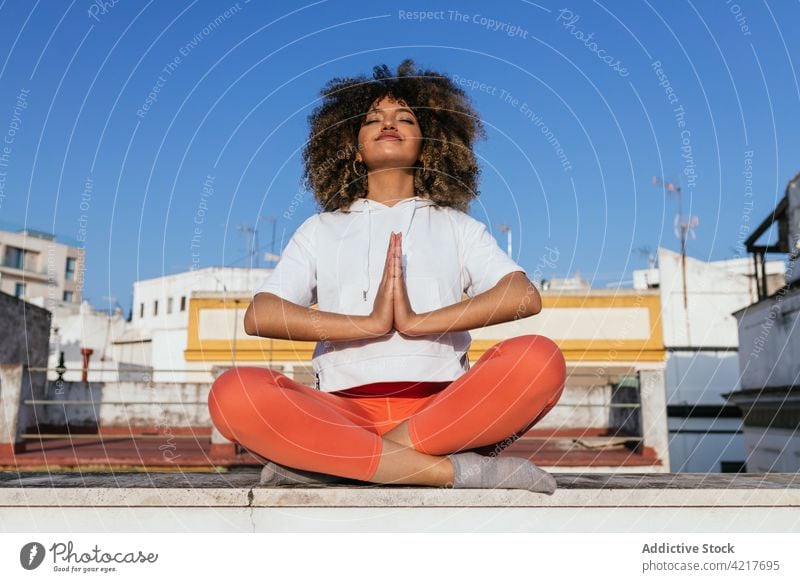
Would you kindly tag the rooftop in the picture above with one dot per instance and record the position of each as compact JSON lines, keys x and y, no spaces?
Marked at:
{"x":565,"y":450}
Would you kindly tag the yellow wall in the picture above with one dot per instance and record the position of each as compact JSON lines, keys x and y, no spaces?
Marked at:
{"x":252,"y":349}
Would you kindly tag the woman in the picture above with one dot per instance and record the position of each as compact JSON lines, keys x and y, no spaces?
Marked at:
{"x":390,"y":161}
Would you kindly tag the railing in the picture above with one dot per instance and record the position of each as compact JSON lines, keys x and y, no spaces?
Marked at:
{"x":147,"y":371}
{"x":25,"y":269}
{"x":616,"y":437}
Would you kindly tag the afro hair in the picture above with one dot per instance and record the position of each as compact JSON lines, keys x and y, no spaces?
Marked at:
{"x":449,"y":171}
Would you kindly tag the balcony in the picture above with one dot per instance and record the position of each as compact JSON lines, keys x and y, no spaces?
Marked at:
{"x":29,"y":271}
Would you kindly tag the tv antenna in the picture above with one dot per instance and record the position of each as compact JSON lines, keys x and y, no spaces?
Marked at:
{"x":683,"y":229}
{"x":252,"y":237}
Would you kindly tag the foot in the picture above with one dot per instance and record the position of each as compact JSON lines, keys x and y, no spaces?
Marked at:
{"x":473,"y":471}
{"x":274,"y":475}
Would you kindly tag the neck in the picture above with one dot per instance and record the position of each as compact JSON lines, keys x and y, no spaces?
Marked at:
{"x":391,"y":185}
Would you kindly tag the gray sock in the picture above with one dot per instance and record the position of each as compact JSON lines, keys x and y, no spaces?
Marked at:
{"x":274,"y":474}
{"x":474,"y":471}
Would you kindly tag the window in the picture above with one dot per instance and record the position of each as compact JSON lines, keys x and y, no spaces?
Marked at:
{"x":19,"y":289}
{"x":69,"y":273}
{"x":183,"y":303}
{"x":20,"y":259}
{"x":169,"y":305}
{"x":141,"y":311}
{"x":13,"y":257}
{"x":733,"y":466}
{"x":68,"y":296}
{"x":155,"y":307}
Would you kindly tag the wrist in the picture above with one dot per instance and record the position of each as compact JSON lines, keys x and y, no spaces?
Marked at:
{"x":372,"y":327}
{"x":414,"y":325}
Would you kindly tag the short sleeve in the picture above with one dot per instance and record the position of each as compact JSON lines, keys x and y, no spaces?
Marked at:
{"x":294,"y":278}
{"x":484,"y":262}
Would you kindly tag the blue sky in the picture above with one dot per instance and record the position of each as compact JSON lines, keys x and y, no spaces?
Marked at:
{"x":89,"y":162}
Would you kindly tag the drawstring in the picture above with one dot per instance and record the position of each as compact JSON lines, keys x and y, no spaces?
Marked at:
{"x":369,"y":243}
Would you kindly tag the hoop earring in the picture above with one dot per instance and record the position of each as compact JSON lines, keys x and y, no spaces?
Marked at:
{"x":356,"y":171}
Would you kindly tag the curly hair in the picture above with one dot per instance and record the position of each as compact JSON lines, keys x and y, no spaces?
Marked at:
{"x":449,"y":171}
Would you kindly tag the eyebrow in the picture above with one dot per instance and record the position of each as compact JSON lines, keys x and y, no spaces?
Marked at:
{"x":399,"y":109}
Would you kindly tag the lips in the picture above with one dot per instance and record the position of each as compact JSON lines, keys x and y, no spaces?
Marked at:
{"x":388,"y":135}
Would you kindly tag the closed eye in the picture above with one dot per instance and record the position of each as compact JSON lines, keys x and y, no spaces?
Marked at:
{"x":411,"y":121}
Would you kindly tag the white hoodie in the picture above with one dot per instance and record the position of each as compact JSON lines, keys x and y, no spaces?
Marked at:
{"x":336,"y":259}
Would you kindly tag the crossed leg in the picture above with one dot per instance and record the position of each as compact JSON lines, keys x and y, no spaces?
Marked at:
{"x":300,"y":427}
{"x":508,"y":390}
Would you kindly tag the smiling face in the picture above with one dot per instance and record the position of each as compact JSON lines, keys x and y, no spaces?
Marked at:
{"x":390,"y":136}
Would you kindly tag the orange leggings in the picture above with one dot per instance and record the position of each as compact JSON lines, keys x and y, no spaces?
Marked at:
{"x":508,"y":390}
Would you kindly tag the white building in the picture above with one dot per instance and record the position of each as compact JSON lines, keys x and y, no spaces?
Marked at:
{"x":151,"y":345}
{"x":76,"y":327}
{"x":769,"y":348}
{"x":157,"y":335}
{"x":574,"y":283}
{"x":700,"y":337}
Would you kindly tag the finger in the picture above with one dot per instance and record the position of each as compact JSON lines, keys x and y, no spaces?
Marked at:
{"x":390,"y":248}
{"x":390,"y":270}
{"x":398,"y":255}
{"x":387,"y":266}
{"x":391,"y":267}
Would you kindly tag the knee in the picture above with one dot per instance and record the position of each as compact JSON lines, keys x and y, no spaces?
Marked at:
{"x":535,"y":346}
{"x":231,"y":389}
{"x":233,"y":383}
{"x":541,"y":359}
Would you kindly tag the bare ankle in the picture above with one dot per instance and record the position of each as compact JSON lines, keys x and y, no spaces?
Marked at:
{"x":401,"y":465}
{"x":448,"y":472}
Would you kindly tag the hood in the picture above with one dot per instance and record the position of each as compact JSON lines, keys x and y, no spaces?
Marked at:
{"x":366,"y":207}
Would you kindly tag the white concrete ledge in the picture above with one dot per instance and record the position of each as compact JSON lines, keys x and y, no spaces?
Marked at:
{"x":234,"y":502}
{"x":394,"y":497}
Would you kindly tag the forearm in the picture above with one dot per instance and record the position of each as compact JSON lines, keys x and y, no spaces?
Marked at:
{"x":270,"y":316}
{"x":514,"y":297}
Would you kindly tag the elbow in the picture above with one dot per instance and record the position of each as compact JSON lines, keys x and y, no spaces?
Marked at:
{"x":249,"y":327}
{"x":251,"y":323}
{"x":537,"y":309}
{"x":536,"y":304}
{"x":530,"y":302}
{"x":256,"y":318}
